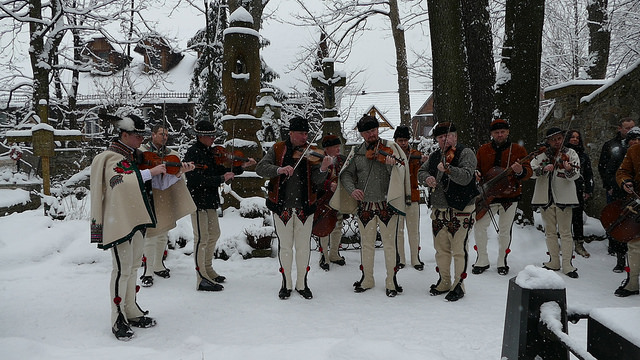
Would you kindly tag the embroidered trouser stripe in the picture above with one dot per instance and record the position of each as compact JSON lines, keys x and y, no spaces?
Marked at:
{"x":126,"y":259}
{"x":294,"y":234}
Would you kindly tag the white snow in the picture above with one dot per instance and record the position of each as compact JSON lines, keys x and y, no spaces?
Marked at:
{"x":55,"y":300}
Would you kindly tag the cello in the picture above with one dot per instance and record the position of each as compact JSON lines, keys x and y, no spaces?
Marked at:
{"x":326,"y":217}
{"x":621,"y":219}
{"x":499,"y":182}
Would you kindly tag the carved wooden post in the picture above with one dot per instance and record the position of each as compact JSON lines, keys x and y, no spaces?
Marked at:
{"x":327,"y":82}
{"x":241,"y":86}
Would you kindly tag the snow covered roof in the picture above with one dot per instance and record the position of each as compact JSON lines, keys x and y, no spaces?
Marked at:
{"x":354,"y":105}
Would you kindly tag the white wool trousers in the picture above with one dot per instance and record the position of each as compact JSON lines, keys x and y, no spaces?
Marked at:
{"x":450,"y":240}
{"x":368,"y":235}
{"x":295,"y":234}
{"x":206,"y":232}
{"x":505,"y":224}
{"x":558,"y":221}
{"x":154,"y":248}
{"x":126,"y":258}
{"x":412,"y":220}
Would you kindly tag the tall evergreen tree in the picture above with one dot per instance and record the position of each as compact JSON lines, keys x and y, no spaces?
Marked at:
{"x":206,"y":84}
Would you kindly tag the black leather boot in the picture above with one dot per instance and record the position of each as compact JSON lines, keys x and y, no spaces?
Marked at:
{"x":621,"y":263}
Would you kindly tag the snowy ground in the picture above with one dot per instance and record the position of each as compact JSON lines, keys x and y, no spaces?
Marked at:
{"x":55,"y":302}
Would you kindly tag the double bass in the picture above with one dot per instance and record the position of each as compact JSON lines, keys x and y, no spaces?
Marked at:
{"x":621,"y":219}
{"x":499,"y":182}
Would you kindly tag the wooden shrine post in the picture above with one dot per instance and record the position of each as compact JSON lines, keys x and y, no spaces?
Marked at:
{"x":327,"y":82}
{"x":43,"y":137}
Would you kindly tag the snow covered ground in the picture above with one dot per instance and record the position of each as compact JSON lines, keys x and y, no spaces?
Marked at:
{"x":55,"y":301}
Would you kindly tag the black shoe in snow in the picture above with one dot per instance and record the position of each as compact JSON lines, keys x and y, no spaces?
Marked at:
{"x":323,"y":264}
{"x":503,"y":270}
{"x":340,"y":262}
{"x":357,"y":287}
{"x":147,"y":281}
{"x":122,"y":330}
{"x":622,"y":292}
{"x":456,"y":294}
{"x":391,"y":293}
{"x":573,"y":274}
{"x":433,"y":291}
{"x":220,"y":279}
{"x":142,"y":322}
{"x":305,"y":293}
{"x":284,"y":294}
{"x":479,"y":269}
{"x":163,"y":273}
{"x":206,"y":285}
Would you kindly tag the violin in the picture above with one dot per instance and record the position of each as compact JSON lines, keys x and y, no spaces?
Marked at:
{"x":621,"y":219}
{"x":380,"y":153}
{"x":498,"y":182}
{"x":228,"y":158}
{"x":151,"y":159}
{"x":313,"y":155}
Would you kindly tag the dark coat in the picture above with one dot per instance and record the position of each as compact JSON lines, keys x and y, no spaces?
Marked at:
{"x":611,"y":156}
{"x":203,"y":183}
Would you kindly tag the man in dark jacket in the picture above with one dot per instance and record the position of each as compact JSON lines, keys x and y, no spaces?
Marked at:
{"x":611,"y":156}
{"x":293,"y":187}
{"x":203,"y":184}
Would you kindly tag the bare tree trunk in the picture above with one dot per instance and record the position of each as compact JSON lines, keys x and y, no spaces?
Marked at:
{"x":518,"y":84}
{"x":450,"y":73}
{"x":401,"y":63}
{"x":36,"y":49}
{"x":599,"y":39}
{"x":482,"y":72}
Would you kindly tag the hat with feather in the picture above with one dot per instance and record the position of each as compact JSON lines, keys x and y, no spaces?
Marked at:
{"x":130,"y":123}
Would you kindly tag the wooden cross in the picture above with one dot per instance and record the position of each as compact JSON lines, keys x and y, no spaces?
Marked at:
{"x":327,"y":82}
{"x":43,"y":137}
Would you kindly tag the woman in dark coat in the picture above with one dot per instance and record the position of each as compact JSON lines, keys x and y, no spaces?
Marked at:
{"x":584,"y":189}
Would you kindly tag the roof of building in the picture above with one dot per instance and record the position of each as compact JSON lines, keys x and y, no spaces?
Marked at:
{"x":354,"y":105}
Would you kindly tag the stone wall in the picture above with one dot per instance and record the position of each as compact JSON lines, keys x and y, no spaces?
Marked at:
{"x":597,"y":110}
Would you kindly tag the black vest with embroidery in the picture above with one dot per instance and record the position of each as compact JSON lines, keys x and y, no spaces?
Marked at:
{"x":458,"y":196}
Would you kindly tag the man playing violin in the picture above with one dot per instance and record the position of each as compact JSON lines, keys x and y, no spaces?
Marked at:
{"x":170,"y":205}
{"x":293,"y":187}
{"x":375,"y":180}
{"x":450,"y":174}
{"x":628,"y":177}
{"x":121,"y":211}
{"x":204,"y":183}
{"x":555,"y":171}
{"x":330,"y":245}
{"x":412,"y":218}
{"x":498,"y":154}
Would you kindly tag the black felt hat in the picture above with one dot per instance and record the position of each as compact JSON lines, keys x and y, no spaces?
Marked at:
{"x":553,"y":131}
{"x":298,"y":124}
{"x":367,"y":122}
{"x":330,"y":140}
{"x":205,"y":128}
{"x":443,"y":128}
{"x":634,"y":133}
{"x":402,"y":132}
